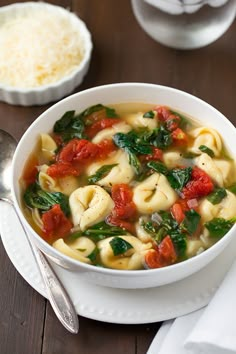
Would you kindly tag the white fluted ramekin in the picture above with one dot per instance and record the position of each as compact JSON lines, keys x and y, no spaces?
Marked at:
{"x":51,"y":92}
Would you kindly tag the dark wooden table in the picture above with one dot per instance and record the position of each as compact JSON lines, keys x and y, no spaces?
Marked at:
{"x":122,"y":53}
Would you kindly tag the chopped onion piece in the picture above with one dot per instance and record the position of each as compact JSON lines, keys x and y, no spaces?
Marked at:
{"x":192,"y":203}
{"x":156,"y":218}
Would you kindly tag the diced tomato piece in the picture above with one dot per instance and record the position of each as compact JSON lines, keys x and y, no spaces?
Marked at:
{"x":62,"y":169}
{"x":161,"y":256}
{"x":83,"y":151}
{"x":167,"y":250}
{"x":179,"y":137}
{"x":162,"y":112}
{"x":113,"y":220}
{"x":124,"y":208}
{"x":157,"y":154}
{"x":177,"y":212}
{"x":184,"y":204}
{"x":122,"y":196}
{"x":172,"y":122}
{"x":153,"y":259}
{"x":78,"y":150}
{"x":93,"y":129}
{"x":200,"y":185}
{"x":55,"y":223}
{"x":105,"y":147}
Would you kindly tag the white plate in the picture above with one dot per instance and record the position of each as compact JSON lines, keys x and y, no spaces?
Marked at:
{"x":117,"y":305}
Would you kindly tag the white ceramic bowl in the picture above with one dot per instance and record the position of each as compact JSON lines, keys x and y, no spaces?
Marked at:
{"x":112,"y":94}
{"x":38,"y":95}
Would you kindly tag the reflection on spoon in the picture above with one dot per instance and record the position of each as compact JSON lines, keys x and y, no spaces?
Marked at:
{"x":57,"y":295}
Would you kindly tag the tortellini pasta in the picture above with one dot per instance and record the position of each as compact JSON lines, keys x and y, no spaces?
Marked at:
{"x":225,"y":209}
{"x":109,"y":132}
{"x":194,"y":247}
{"x":122,"y":173}
{"x":208,"y":137}
{"x":79,"y":249}
{"x":64,"y":185}
{"x":136,"y":120}
{"x":154,"y":194}
{"x":143,"y":235}
{"x":172,"y":159}
{"x":222,"y":172}
{"x":132,"y":259}
{"x":48,"y":146}
{"x":89,"y":205}
{"x":228,"y":170}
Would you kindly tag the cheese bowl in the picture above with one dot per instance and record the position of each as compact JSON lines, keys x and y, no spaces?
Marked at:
{"x":111,"y":95}
{"x":45,"y":52}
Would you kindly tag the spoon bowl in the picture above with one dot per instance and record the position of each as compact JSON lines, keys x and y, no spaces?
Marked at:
{"x":57,"y":295}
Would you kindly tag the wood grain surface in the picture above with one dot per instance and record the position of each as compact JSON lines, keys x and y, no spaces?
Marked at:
{"x":123,"y":52}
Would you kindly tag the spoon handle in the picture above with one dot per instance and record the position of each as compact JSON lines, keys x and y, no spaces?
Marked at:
{"x":57,"y":295}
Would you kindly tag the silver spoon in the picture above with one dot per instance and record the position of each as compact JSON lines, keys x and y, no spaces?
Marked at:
{"x":57,"y":295}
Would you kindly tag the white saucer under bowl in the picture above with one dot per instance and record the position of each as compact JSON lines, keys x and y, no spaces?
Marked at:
{"x":122,"y":306}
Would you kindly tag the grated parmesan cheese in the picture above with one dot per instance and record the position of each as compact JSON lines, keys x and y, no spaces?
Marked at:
{"x":38,"y":48}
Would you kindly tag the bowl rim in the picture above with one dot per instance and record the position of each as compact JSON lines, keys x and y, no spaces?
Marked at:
{"x":85,"y":34}
{"x":116,"y":272}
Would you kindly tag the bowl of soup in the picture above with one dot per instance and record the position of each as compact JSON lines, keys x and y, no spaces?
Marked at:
{"x":131,"y":184}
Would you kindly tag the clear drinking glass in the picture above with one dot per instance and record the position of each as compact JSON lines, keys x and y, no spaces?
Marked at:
{"x":185,"y":24}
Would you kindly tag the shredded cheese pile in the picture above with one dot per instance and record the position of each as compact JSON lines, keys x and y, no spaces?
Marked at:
{"x":38,"y":48}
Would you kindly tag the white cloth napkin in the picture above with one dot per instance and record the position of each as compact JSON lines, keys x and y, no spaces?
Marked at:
{"x":211,"y":330}
{"x":178,"y":7}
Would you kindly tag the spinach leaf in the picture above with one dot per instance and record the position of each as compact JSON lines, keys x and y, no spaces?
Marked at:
{"x":179,"y":241}
{"x":99,"y":232}
{"x":191,"y":221}
{"x":93,"y":255}
{"x":179,"y":177}
{"x":168,"y":221}
{"x":133,"y":143}
{"x":168,"y":226}
{"x":144,"y":172}
{"x":35,"y":197}
{"x":217,"y":195}
{"x":218,"y":227}
{"x":207,"y":150}
{"x":149,"y":114}
{"x":33,"y":200}
{"x":134,"y":161}
{"x":100,"y":173}
{"x":156,"y":231}
{"x":150,"y":227}
{"x":161,"y":138}
{"x":189,"y":155}
{"x":158,"y":167}
{"x":119,"y":246}
{"x":69,"y":126}
{"x":64,"y":122}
